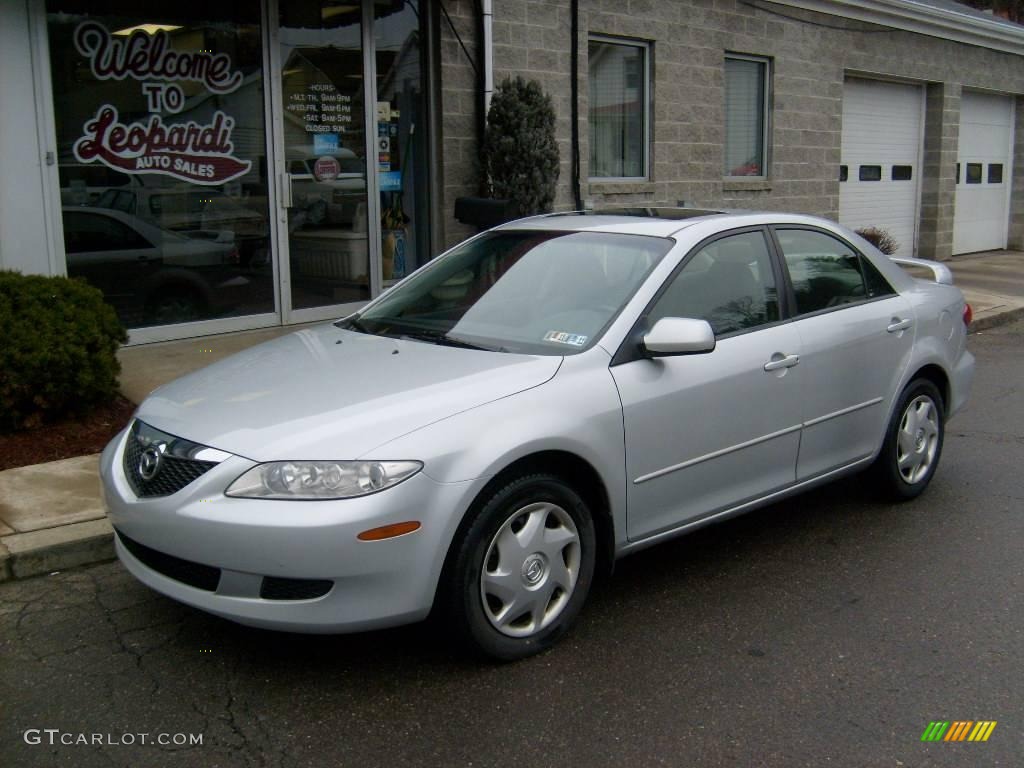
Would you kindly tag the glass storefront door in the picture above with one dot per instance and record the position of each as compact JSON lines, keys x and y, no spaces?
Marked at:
{"x":324,"y":189}
{"x":353,"y":180}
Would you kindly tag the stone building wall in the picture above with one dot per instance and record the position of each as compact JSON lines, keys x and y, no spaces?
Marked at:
{"x":811,"y":54}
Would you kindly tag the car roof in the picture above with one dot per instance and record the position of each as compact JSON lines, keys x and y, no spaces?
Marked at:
{"x":658,"y":222}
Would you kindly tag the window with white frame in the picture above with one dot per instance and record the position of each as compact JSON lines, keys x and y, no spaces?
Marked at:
{"x":619,"y":108}
{"x":746,"y":116}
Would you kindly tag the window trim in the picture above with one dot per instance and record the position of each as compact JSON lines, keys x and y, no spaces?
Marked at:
{"x":766,"y":128}
{"x":647,"y":47}
{"x":792,"y":313}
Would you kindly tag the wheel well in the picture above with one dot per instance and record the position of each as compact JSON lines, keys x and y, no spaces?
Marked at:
{"x":578,"y":473}
{"x":938,"y":377}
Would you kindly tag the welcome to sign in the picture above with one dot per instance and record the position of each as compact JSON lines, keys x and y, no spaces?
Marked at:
{"x":189,"y":151}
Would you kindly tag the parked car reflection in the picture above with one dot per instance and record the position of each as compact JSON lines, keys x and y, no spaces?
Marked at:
{"x":152,"y":276}
{"x":208,"y":214}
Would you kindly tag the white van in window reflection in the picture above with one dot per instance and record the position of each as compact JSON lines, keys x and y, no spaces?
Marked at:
{"x":84,"y":184}
{"x":149,"y":275}
{"x":196,"y":212}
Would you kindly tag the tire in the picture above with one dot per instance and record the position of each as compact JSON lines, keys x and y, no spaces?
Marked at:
{"x":913,"y":442}
{"x":522,"y":569}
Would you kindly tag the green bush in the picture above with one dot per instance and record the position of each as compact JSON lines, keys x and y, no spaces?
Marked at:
{"x":58,"y":348}
{"x":519,"y":153}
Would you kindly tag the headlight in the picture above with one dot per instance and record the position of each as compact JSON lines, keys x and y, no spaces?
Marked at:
{"x":321,"y":479}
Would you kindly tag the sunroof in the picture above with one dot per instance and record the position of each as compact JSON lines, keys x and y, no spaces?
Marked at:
{"x":673,"y":214}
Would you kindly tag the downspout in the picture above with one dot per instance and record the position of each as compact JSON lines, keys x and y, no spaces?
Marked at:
{"x":487,"y":17}
{"x":574,"y":98}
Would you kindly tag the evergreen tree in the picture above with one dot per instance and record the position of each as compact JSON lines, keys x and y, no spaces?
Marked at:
{"x":519,"y":154}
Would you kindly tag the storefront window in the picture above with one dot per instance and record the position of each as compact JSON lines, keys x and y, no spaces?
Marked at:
{"x":401,"y":141}
{"x":162,"y":156}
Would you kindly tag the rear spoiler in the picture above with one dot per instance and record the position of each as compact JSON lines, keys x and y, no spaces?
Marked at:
{"x":943,"y":275}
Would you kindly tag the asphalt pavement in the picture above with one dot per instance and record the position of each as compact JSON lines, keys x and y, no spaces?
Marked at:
{"x":828,"y":630}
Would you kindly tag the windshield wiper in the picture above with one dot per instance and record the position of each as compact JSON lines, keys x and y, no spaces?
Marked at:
{"x":443,"y":339}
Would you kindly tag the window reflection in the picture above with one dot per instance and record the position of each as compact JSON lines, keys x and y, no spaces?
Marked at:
{"x":161,"y":153}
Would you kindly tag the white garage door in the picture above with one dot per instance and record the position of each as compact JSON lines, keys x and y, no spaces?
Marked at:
{"x":983,"y":178}
{"x":881,"y":158}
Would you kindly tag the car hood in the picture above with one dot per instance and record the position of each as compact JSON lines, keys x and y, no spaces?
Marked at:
{"x":328,"y":393}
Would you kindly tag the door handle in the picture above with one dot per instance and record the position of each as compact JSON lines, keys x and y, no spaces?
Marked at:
{"x":781,"y":362}
{"x":898,"y":325}
{"x":285,"y":193}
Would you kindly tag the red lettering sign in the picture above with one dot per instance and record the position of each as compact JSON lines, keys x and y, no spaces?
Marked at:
{"x":189,"y":151}
{"x":142,"y":56}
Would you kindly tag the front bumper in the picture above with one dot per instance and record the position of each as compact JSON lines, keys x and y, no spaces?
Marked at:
{"x":246,"y":541}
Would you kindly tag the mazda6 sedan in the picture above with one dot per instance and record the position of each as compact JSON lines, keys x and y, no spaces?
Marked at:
{"x":549,"y":396}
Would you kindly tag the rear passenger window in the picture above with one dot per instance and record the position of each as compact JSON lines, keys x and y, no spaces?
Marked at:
{"x":729,"y":283}
{"x":824,"y":271}
{"x":876,"y":284}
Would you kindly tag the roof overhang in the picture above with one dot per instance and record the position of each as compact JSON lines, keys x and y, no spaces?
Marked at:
{"x":923,"y":19}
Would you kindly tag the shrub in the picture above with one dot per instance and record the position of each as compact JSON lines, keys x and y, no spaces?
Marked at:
{"x":519,"y":153}
{"x":881,"y":239}
{"x":58,"y":348}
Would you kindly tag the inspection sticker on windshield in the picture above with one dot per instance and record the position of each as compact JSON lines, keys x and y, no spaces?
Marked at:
{"x":561,"y":337}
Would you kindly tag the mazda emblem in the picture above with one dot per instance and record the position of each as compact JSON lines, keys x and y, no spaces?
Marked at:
{"x":150,"y":462}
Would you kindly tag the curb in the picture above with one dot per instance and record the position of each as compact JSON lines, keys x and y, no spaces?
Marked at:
{"x":55,"y":549}
{"x":993,"y":321}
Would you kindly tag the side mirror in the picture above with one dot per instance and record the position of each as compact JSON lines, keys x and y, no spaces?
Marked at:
{"x":679,"y":336}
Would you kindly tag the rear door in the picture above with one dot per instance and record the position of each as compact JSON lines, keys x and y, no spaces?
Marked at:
{"x":708,"y":431}
{"x":856,"y":335}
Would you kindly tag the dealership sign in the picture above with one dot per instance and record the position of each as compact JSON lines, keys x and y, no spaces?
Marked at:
{"x":201,"y":153}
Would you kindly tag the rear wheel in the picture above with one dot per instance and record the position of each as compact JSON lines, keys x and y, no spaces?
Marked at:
{"x":913,"y":442}
{"x":523,"y":568}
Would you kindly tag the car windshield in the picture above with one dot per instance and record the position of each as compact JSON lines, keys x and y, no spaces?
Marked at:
{"x":533,"y":292}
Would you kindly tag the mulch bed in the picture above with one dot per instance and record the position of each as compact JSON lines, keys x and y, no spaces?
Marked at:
{"x":66,"y":438}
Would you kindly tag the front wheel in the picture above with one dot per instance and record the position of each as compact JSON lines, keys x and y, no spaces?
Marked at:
{"x":523,"y":568}
{"x":913,"y":442}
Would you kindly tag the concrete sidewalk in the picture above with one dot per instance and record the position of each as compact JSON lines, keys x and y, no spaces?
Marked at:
{"x":51,"y":515}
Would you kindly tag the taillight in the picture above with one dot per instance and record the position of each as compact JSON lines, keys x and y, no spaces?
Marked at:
{"x":968,"y":314}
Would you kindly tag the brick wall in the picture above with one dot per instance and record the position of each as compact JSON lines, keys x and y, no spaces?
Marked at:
{"x":938,"y":176}
{"x":810,"y":59}
{"x":1016,"y":239}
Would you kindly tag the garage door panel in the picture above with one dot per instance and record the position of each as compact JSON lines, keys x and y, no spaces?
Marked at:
{"x":986,"y":133}
{"x":881,"y":127}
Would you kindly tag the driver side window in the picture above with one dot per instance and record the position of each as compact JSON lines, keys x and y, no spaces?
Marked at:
{"x":728,"y":282}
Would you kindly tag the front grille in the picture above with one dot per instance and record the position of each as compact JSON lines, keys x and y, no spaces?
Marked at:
{"x":176,"y":469}
{"x":194,"y":574}
{"x":277,"y":588}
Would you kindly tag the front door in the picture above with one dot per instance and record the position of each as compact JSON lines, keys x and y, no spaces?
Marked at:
{"x":706,"y":432}
{"x":324,"y":205}
{"x":351,"y":150}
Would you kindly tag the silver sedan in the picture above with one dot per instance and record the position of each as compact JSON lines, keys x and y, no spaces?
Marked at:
{"x":542,"y":399}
